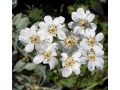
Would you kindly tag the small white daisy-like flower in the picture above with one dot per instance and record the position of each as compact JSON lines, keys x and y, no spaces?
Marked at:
{"x":71,"y":63}
{"x":70,"y":42}
{"x":93,"y":59}
{"x":52,"y":27}
{"x":32,"y":38}
{"x":82,"y":20}
{"x":47,"y":56}
{"x":91,"y":41}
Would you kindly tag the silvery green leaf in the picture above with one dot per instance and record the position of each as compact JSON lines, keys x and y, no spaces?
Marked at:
{"x":103,"y":1}
{"x":19,"y":66}
{"x":17,"y":18}
{"x":14,"y":55}
{"x":19,"y":78}
{"x":23,"y":23}
{"x":30,"y":66}
{"x":42,"y":69}
{"x":20,"y":87}
{"x":15,"y":52}
{"x":26,"y":80}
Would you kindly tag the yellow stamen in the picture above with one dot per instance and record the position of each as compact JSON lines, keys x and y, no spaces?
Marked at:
{"x":69,"y":62}
{"x":83,"y":24}
{"x":69,"y":41}
{"x":91,"y":41}
{"x":35,"y":39}
{"x":91,"y":56}
{"x":47,"y":54}
{"x":52,"y":29}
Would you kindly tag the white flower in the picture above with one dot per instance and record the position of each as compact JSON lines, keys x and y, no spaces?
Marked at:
{"x":93,"y":59}
{"x":71,"y":63}
{"x":82,"y":20}
{"x":31,"y":37}
{"x":91,"y":41}
{"x":70,"y":42}
{"x":52,"y":27}
{"x":47,"y":56}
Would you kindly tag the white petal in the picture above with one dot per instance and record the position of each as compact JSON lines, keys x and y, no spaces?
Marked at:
{"x":81,"y":13}
{"x":92,"y":33}
{"x":64,"y":56}
{"x":50,"y":38}
{"x":45,"y":61}
{"x":24,"y":39}
{"x":100,"y":45}
{"x":61,"y":27}
{"x":43,"y":36}
{"x":90,"y":17}
{"x":62,"y":19}
{"x":76,"y":30}
{"x":76,"y":54}
{"x":38,"y":59}
{"x":48,"y":19}
{"x":92,"y":26}
{"x":61,"y":34}
{"x":54,"y":54}
{"x":52,"y":47}
{"x":99,"y":37}
{"x":75,"y":17}
{"x":53,"y":61}
{"x":82,"y":31}
{"x":100,"y":60}
{"x":98,"y":50}
{"x":83,"y":60}
{"x":99,"y":63}
{"x":84,"y":52}
{"x":66,"y":72}
{"x":87,"y":12}
{"x":63,"y":63}
{"x":89,"y":33}
{"x":76,"y":69}
{"x":42,"y":31}
{"x":91,"y":66}
{"x":59,"y":20}
{"x":84,"y":44}
{"x":72,"y":25}
{"x":33,"y":30}
{"x":77,"y":64}
{"x":77,"y":59}
{"x":40,"y":47}
{"x":25,"y":32}
{"x":29,"y":47}
{"x":43,"y":25}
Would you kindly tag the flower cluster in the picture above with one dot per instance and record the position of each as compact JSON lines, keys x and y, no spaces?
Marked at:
{"x":75,"y":46}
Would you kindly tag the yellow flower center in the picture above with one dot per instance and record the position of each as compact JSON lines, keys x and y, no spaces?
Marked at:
{"x":47,"y":54}
{"x":83,"y":24}
{"x":69,"y":62}
{"x":91,"y":56}
{"x":52,"y":29}
{"x":69,"y":41}
{"x":35,"y":39}
{"x":91,"y":41}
